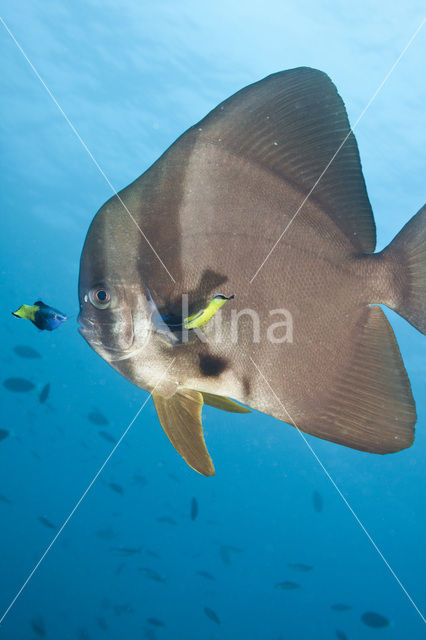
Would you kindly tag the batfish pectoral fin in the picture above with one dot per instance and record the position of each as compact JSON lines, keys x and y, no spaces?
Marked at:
{"x":180,"y":417}
{"x":225,"y":404}
{"x":370,"y":406}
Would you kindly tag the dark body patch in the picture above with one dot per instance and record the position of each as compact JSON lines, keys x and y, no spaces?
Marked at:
{"x":247,"y":386}
{"x":211,"y":365}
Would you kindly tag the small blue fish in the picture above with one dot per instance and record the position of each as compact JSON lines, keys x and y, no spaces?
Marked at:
{"x":44,"y":317}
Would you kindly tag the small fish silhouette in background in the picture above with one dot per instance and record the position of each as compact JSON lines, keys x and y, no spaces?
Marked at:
{"x":139,"y":480}
{"x":299,"y":566}
{"x":151,"y":574}
{"x":44,"y":317}
{"x":205,"y":574}
{"x":174,"y":477}
{"x":287,"y":585}
{"x":122,"y":608}
{"x":317,"y":501}
{"x":374,"y":620}
{"x":155,"y":622}
{"x":4,"y":433}
{"x":102,"y":623}
{"x":194,"y":508}
{"x":107,"y":436}
{"x":38,"y":627}
{"x":225,"y":552}
{"x":47,"y":523}
{"x":125,"y":551}
{"x":18,"y":385}
{"x":106,"y":533}
{"x":212,"y":615}
{"x":341,"y":606}
{"x":116,"y":487}
{"x":24,"y":351}
{"x":98,"y":418}
{"x":166,"y":520}
{"x":44,"y":393}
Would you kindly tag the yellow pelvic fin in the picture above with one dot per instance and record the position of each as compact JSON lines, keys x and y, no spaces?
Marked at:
{"x":180,"y":417}
{"x":26,"y":311}
{"x":202,"y":317}
{"x":225,"y":404}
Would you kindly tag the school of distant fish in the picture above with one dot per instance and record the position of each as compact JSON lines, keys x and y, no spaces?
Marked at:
{"x":226,"y":552}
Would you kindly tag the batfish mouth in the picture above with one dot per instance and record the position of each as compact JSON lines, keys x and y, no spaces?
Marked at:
{"x":88,"y":330}
{"x":92,"y":333}
{"x":84,"y":327}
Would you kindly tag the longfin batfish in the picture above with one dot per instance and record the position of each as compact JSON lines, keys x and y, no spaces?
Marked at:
{"x":277,"y":161}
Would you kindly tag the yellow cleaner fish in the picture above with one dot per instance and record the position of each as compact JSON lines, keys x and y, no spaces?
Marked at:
{"x":202,"y":317}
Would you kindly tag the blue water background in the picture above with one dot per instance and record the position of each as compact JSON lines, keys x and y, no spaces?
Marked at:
{"x":131,"y":77}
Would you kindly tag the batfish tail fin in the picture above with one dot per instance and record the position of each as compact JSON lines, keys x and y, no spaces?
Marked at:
{"x":406,"y":255}
{"x":369,"y":405}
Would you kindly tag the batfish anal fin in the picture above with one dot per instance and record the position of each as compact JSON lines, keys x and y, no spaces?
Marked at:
{"x":293,"y":123}
{"x":180,"y":417}
{"x":370,"y":406}
{"x":225,"y":404}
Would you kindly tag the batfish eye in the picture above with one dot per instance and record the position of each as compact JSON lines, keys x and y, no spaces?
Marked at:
{"x":100,"y":297}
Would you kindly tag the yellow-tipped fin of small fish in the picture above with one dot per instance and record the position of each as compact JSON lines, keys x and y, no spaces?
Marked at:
{"x":202,"y":317}
{"x":26,"y":311}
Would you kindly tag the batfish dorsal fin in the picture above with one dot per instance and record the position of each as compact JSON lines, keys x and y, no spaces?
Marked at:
{"x":292,"y":123}
{"x":370,"y":406}
{"x":225,"y":404}
{"x":180,"y":417}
